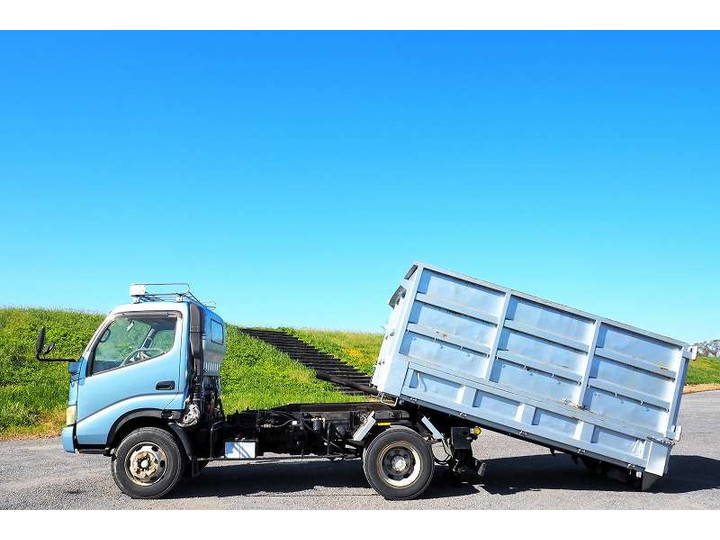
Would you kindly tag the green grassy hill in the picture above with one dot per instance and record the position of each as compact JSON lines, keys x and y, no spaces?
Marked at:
{"x":704,"y":370}
{"x":33,"y":394}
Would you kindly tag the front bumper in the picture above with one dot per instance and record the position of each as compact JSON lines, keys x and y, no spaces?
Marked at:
{"x":68,"y":441}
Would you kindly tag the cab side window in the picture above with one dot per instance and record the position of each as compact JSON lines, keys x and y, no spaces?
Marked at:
{"x":133,"y":338}
{"x":217,"y":332}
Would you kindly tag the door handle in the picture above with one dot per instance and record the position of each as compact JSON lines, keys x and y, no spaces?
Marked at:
{"x":165,"y":385}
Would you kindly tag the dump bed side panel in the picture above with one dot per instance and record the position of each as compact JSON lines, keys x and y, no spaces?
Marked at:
{"x":534,"y":368}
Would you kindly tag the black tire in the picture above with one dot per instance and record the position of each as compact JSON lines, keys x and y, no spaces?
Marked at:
{"x":402,"y":447}
{"x":148,"y":463}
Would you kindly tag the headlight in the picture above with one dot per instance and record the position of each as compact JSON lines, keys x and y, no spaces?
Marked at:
{"x":70,"y":415}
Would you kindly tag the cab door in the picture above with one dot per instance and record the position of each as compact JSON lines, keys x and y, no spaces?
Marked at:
{"x":135,"y":363}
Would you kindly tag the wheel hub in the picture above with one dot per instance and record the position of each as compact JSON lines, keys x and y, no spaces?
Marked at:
{"x":398,"y":463}
{"x":146,"y":464}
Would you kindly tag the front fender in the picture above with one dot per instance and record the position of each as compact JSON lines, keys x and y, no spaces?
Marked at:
{"x":129,"y":417}
{"x":96,"y":429}
{"x":179,"y":432}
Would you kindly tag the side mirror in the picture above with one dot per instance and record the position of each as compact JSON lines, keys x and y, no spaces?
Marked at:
{"x":40,"y":342}
{"x":74,"y":368}
{"x":41,"y":350}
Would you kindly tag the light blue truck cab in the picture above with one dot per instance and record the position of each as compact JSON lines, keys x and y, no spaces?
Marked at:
{"x":153,"y":363}
{"x":137,"y":365}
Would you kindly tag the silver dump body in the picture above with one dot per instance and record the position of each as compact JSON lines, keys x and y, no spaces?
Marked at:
{"x":535,"y":369}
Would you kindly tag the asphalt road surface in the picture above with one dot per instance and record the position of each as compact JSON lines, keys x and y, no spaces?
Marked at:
{"x":38,"y":474}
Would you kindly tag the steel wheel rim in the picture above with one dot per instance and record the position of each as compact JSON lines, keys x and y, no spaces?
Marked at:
{"x":146,"y":463}
{"x":399,"y":464}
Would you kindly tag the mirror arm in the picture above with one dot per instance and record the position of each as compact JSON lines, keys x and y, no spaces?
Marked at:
{"x":38,"y":357}
{"x":41,"y":350}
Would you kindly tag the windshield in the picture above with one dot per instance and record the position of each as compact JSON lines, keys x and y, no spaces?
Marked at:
{"x":130,"y":339}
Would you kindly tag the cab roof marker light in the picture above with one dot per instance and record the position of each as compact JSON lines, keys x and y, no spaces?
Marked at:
{"x":137,"y":290}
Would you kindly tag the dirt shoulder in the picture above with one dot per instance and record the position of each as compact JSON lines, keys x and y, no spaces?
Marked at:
{"x":693,"y":388}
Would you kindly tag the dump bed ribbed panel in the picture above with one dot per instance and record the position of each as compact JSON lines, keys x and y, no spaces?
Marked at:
{"x":533,"y":368}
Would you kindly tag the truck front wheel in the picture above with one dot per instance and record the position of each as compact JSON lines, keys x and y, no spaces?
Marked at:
{"x":148,"y":463}
{"x":398,"y":463}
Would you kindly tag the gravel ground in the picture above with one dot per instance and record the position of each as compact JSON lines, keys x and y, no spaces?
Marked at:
{"x":38,"y":474}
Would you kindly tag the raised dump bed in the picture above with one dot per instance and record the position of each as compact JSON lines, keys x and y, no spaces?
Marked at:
{"x":534,"y":369}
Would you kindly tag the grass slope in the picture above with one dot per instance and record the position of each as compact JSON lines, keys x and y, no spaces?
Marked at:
{"x":255,"y":375}
{"x":359,"y":349}
{"x":704,"y":370}
{"x":33,"y":395}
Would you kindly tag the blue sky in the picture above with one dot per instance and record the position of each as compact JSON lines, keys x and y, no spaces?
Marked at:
{"x":294,"y":177}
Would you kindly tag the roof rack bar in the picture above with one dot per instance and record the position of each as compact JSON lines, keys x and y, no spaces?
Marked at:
{"x":176,"y":291}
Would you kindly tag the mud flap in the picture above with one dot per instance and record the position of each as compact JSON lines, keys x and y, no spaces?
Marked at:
{"x":468,"y":470}
{"x":648,"y":479}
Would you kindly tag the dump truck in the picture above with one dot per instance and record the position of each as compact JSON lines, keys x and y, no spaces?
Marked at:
{"x":458,"y":355}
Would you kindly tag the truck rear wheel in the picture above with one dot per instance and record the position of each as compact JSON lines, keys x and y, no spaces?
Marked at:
{"x":148,"y":463}
{"x":398,"y":463}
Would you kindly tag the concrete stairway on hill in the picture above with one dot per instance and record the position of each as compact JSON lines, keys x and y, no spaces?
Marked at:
{"x":311,"y":357}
